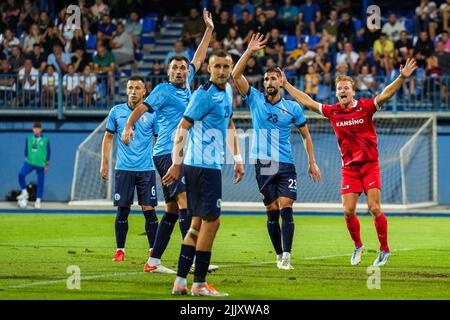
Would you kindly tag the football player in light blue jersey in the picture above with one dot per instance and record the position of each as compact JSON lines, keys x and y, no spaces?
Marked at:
{"x":170,"y":100}
{"x":134,"y":165}
{"x":207,"y":118}
{"x":272,"y":119}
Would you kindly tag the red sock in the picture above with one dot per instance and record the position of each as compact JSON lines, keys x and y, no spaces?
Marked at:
{"x":382,"y":229}
{"x":353,"y":228}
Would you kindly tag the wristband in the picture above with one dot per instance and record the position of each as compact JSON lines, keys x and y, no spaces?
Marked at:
{"x":237,"y":158}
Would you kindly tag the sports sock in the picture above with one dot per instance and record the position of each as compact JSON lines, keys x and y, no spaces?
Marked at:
{"x":163,"y":235}
{"x":202,"y":259}
{"x":183,"y":220}
{"x":287,"y":228}
{"x":121,"y":226}
{"x":151,"y":225}
{"x":185,"y":260}
{"x":273,"y":227}
{"x":354,"y":229}
{"x":382,"y":229}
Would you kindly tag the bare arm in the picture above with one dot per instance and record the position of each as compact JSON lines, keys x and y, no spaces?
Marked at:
{"x":106,"y":151}
{"x":177,"y":154}
{"x":300,"y":96}
{"x":390,"y":90}
{"x":200,"y":53}
{"x":313,"y":169}
{"x":256,"y":43}
{"x":233,"y":145}
{"x":132,"y":119}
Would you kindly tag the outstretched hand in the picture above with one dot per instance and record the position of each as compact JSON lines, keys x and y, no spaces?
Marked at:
{"x":409,"y":68}
{"x":208,"y":19}
{"x":257,"y":42}
{"x":283,"y":77}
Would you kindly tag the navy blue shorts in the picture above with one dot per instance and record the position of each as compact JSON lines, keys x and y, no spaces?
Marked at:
{"x":276,"y":179}
{"x":204,"y":191}
{"x":143,"y":181}
{"x":162,"y":164}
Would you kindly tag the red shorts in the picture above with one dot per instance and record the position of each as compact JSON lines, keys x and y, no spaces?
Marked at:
{"x":360,"y":177}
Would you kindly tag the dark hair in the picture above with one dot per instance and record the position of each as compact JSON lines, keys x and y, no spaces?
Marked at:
{"x":136,"y":78}
{"x":274,"y":70}
{"x":37,"y":124}
{"x":178,"y":57}
{"x":220,"y":53}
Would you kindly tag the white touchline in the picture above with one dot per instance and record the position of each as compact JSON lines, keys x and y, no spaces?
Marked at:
{"x":131,"y":273}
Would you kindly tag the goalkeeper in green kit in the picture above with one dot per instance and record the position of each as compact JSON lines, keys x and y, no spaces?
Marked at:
{"x":37,"y":156}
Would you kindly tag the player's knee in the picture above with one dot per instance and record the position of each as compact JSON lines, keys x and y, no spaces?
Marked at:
{"x":375,"y":209}
{"x":147,"y":208}
{"x":182,"y":200}
{"x":272,"y":206}
{"x":349,"y":211}
{"x":122,"y":214}
{"x":172,"y":207}
{"x":286,"y":203}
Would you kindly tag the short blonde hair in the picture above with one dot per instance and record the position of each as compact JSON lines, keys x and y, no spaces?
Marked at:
{"x":345,"y":78}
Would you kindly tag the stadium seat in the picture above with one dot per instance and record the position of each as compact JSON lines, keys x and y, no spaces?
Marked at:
{"x":91,"y":41}
{"x":409,"y":26}
{"x":148,"y":25}
{"x":313,"y":41}
{"x":291,"y":42}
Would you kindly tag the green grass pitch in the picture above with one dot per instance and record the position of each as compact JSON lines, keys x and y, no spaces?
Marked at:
{"x":36,"y":250}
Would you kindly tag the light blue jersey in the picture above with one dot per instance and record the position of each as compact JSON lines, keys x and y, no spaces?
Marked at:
{"x":138,"y":155}
{"x":272,"y":126}
{"x":169,"y":102}
{"x":210,"y":109}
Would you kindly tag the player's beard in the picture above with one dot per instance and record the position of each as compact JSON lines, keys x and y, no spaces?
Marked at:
{"x":272,"y":93}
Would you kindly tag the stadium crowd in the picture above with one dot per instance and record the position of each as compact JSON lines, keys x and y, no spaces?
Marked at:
{"x":313,"y":40}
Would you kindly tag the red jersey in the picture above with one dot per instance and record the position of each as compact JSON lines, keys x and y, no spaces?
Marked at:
{"x":355,"y":130}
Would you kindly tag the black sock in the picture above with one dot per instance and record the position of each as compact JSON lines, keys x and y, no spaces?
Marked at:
{"x":163,"y":235}
{"x":151,"y":225}
{"x":185,"y":260}
{"x":183,"y":220}
{"x":121,"y":226}
{"x":287,"y":228}
{"x":202,"y":259}
{"x":273,"y":226}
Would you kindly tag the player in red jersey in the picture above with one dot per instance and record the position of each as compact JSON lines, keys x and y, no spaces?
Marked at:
{"x":353,"y":124}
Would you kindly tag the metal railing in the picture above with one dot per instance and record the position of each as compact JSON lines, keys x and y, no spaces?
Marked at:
{"x":96,"y":94}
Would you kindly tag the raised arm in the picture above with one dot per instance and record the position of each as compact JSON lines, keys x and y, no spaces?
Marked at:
{"x":390,"y":90}
{"x":200,"y":53}
{"x":300,"y":96}
{"x":256,"y":43}
{"x":313,"y":169}
{"x":106,"y":151}
{"x":178,"y":153}
{"x":132,"y":119}
{"x":233,"y":145}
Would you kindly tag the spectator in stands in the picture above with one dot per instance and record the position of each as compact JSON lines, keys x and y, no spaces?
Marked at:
{"x":193,"y":29}
{"x":445,"y":12}
{"x":178,"y":50}
{"x":422,"y":17}
{"x":246,"y":27}
{"x":106,"y":30}
{"x":71,"y":86}
{"x":78,"y":41}
{"x":53,"y":37}
{"x":122,"y":46}
{"x":50,"y":82}
{"x":366,"y":81}
{"x":393,"y":28}
{"x":305,"y":60}
{"x":287,"y":17}
{"x":445,"y":39}
{"x":59,"y":59}
{"x":85,"y":15}
{"x":105,"y":65}
{"x":275,"y":47}
{"x":270,"y":63}
{"x":383,"y":54}
{"x":442,"y":58}
{"x":88,"y":86}
{"x":269,"y":9}
{"x":369,"y":37}
{"x":329,"y":33}
{"x":309,"y":15}
{"x":7,"y":83}
{"x":239,"y":7}
{"x":80,"y":60}
{"x":312,"y":79}
{"x":16,"y":60}
{"x":435,"y":19}
{"x":323,"y":63}
{"x":98,"y":10}
{"x":346,"y":30}
{"x":253,"y":72}
{"x":11,"y":13}
{"x":32,"y":38}
{"x":28,"y":15}
{"x":341,"y":70}
{"x":364,"y":60}
{"x":403,"y":49}
{"x":424,"y":48}
{"x":216,"y":10}
{"x":38,"y":58}
{"x":44,"y":23}
{"x":348,"y":56}
{"x":263,"y":26}
{"x":28,"y":78}
{"x":222,"y":26}
{"x":134,"y":28}
{"x":204,"y":69}
{"x":66,"y":29}
{"x":233,"y":43}
{"x":9,"y":41}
